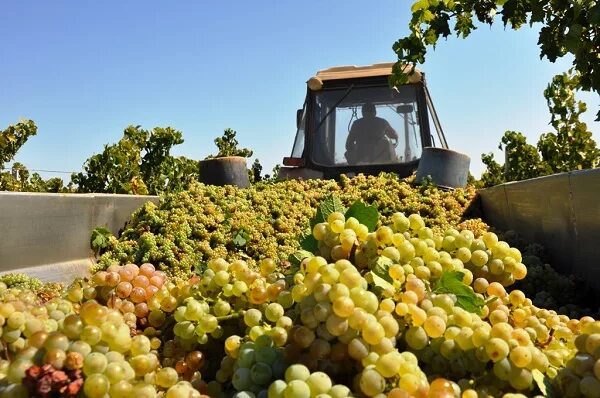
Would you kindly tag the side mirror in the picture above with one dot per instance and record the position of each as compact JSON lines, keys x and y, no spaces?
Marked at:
{"x":298,"y":117}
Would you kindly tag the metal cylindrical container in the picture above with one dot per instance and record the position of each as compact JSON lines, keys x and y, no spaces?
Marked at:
{"x":230,"y":170}
{"x":447,"y":168}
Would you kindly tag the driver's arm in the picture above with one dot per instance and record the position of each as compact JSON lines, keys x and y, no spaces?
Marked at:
{"x":390,"y":132}
{"x":350,"y":141}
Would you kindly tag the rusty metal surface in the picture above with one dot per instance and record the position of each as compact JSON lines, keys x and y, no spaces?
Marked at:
{"x":561,"y":212}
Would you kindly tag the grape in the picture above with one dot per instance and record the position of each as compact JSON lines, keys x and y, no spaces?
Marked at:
{"x":373,"y":332}
{"x":521,"y":356}
{"x":434,"y":326}
{"x":343,"y":306}
{"x":181,"y":389}
{"x":121,"y":389}
{"x":194,"y":360}
{"x":276,"y":389}
{"x":114,"y":372}
{"x":96,"y":386}
{"x":274,"y":312}
{"x":497,"y":349}
{"x":297,"y":388}
{"x":252,"y":317}
{"x":260,"y":373}
{"x":296,"y":372}
{"x":95,"y":362}
{"x":416,"y":337}
{"x":371,"y":382}
{"x":140,"y":345}
{"x":242,"y":379}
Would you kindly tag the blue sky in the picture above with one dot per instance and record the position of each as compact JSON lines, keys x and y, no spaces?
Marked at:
{"x":84,"y":70}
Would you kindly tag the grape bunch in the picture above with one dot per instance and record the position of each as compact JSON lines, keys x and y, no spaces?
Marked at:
{"x":581,"y":374}
{"x":300,"y":382}
{"x":130,"y":289}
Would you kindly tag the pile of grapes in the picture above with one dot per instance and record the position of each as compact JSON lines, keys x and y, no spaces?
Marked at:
{"x":208,"y":222}
{"x":369,"y":301}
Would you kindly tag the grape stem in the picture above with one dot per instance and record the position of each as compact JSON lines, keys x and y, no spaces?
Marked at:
{"x":228,"y":317}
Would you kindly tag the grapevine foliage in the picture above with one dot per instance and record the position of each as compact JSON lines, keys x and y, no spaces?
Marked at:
{"x":18,"y":178}
{"x":140,"y":163}
{"x":568,"y":27}
{"x":227,"y":145}
{"x":569,"y":147}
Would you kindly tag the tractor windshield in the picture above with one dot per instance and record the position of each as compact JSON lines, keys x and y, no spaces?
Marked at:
{"x":370,"y":126}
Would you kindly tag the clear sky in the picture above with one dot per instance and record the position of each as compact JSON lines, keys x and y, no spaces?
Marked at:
{"x":83,"y":70}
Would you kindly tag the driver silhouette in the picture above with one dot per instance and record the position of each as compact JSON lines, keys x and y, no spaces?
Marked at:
{"x":368,"y":140}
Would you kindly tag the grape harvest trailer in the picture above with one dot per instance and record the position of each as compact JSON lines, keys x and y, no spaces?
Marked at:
{"x":48,"y":235}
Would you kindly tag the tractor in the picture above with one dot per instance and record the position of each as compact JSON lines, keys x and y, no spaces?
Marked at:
{"x":354,"y":122}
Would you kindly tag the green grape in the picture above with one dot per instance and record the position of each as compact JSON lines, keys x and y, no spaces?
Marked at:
{"x":252,"y":317}
{"x":16,"y":370}
{"x":297,"y":389}
{"x":339,"y":391}
{"x":143,"y":390}
{"x":274,"y":311}
{"x":114,"y":372}
{"x":241,"y":379}
{"x":318,"y":383}
{"x":371,"y":382}
{"x":497,"y":349}
{"x":373,"y":332}
{"x":121,"y":389}
{"x":96,"y":386}
{"x":479,"y":258}
{"x":260,"y":373}
{"x":95,"y":362}
{"x":416,"y":337}
{"x":140,"y":344}
{"x":296,"y":372}
{"x":276,"y":389}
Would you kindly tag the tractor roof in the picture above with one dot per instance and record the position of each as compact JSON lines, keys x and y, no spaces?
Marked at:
{"x":351,"y":71}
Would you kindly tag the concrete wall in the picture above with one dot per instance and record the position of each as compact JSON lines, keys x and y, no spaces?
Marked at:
{"x":48,"y":235}
{"x":560,"y":211}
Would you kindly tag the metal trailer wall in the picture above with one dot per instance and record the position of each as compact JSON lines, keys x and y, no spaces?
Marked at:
{"x":48,"y":235}
{"x":561,"y":212}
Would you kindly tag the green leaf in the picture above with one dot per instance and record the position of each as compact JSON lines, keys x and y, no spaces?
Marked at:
{"x":381,"y":268}
{"x":367,"y":215}
{"x":296,"y":258}
{"x":594,"y":15}
{"x":240,"y":237}
{"x":380,"y":282}
{"x":200,"y":267}
{"x":329,"y":205}
{"x":99,"y":239}
{"x":309,"y":243}
{"x":419,"y":5}
{"x":451,"y":282}
{"x":544,"y":384}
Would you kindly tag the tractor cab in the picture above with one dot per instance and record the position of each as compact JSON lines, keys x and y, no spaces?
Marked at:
{"x":353,"y":122}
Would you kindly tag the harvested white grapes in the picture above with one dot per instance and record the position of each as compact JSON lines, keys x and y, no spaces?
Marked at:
{"x":363,"y":306}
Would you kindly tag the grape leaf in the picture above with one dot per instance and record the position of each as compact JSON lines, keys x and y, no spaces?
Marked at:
{"x":380,"y":282}
{"x":381,"y":269}
{"x":544,"y":384}
{"x":367,"y":215}
{"x":309,"y":243}
{"x":296,"y":258}
{"x":451,"y":282}
{"x":329,"y":205}
{"x":240,"y":237}
{"x":99,"y":239}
